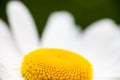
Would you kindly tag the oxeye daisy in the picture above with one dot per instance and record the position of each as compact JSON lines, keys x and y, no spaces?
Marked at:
{"x":96,"y":57}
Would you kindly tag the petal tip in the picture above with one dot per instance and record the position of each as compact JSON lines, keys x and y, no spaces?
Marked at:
{"x":12,"y":4}
{"x":62,"y":16}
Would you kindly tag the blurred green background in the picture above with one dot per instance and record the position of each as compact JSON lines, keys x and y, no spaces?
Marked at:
{"x":84,"y":11}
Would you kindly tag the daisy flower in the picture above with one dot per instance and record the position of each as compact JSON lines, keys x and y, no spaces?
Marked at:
{"x":99,"y":44}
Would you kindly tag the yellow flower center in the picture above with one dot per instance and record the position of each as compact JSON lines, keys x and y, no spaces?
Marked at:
{"x":55,"y":64}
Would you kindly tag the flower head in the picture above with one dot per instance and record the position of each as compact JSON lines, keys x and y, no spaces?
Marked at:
{"x":99,"y":44}
{"x":55,"y":64}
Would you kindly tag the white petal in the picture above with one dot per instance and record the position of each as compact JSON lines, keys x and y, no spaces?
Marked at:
{"x":98,"y":41}
{"x":106,"y":78}
{"x":60,"y":31}
{"x":4,"y":31}
{"x":9,"y":54}
{"x":6,"y":74}
{"x":22,"y":25}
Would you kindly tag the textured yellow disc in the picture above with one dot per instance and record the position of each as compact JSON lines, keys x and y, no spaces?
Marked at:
{"x":55,"y":64}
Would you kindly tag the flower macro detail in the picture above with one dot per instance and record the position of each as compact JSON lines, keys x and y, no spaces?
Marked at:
{"x":55,"y":64}
{"x":99,"y":43}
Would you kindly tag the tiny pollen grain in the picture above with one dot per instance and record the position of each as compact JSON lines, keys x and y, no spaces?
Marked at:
{"x":55,"y":64}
